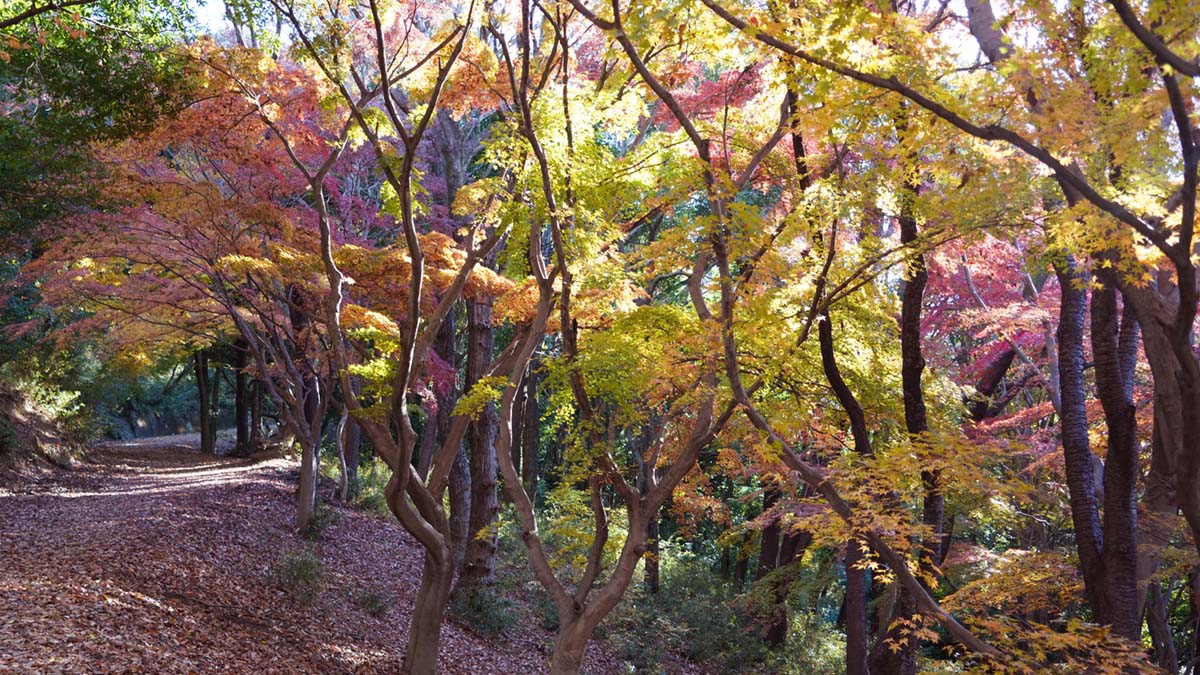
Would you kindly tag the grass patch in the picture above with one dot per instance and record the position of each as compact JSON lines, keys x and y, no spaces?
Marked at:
{"x":300,"y":573}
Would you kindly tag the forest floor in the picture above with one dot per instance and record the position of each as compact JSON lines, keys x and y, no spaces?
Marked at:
{"x":154,"y":558}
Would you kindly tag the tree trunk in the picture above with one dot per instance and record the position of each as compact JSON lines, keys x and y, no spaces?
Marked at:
{"x":353,"y":444}
{"x":895,"y":650}
{"x":1114,"y":351}
{"x":518,"y":434}
{"x":569,"y":648}
{"x":1160,"y":630}
{"x":857,"y":647}
{"x":741,"y":566}
{"x":310,"y":407}
{"x":529,"y":428}
{"x":775,"y":631}
{"x":1077,"y":454}
{"x":207,"y":444}
{"x":214,"y":405}
{"x":241,"y":396}
{"x":460,"y":506}
{"x":429,"y":608}
{"x":480,"y":560}
{"x":256,"y":401}
{"x":651,"y":557}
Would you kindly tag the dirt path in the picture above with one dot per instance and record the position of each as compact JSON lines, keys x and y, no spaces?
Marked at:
{"x":156,"y":559}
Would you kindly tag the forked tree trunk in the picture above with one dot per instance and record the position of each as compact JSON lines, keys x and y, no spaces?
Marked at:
{"x":569,"y":648}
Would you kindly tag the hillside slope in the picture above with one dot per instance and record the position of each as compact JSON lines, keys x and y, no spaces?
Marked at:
{"x":155,"y":558}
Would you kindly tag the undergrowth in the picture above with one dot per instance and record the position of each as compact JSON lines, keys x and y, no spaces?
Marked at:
{"x":300,"y":573}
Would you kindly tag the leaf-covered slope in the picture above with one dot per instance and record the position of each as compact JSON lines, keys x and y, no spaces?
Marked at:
{"x":159,"y":559}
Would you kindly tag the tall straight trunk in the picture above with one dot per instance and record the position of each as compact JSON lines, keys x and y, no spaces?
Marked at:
{"x":1077,"y":453}
{"x":480,"y":560}
{"x":1114,"y":352}
{"x":857,"y":639}
{"x":214,"y":405}
{"x":768,"y":546}
{"x":353,"y":446}
{"x":437,"y":429}
{"x":791,"y":549}
{"x":771,"y":557}
{"x":529,"y":428}
{"x":651,"y":558}
{"x":200,"y":361}
{"x":741,"y":566}
{"x":241,"y":395}
{"x":256,"y":403}
{"x":515,"y":449}
{"x":895,"y":651}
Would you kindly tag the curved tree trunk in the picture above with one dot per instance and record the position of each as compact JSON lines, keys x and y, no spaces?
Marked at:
{"x":425,"y":631}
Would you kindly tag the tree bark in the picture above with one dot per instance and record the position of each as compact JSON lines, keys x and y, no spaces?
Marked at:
{"x":1161,"y":638}
{"x":529,"y":428}
{"x":256,"y":401}
{"x":309,"y":434}
{"x":214,"y":405}
{"x":857,"y":641}
{"x":429,"y":609}
{"x":207,"y":443}
{"x":241,"y":396}
{"x":1114,"y":349}
{"x":480,"y":560}
{"x":895,"y":651}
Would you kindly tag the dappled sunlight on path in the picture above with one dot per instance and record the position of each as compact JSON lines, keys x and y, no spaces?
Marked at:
{"x":155,"y":558}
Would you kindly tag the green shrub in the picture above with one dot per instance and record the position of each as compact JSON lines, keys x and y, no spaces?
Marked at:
{"x":299,"y":573}
{"x":322,"y":517}
{"x":369,"y":487}
{"x":813,"y":648}
{"x":489,"y":613}
{"x":546,"y":611}
{"x":373,"y":602}
{"x":8,"y":437}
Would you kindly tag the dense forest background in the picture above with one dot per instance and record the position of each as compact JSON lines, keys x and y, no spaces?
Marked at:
{"x":779,"y":336}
